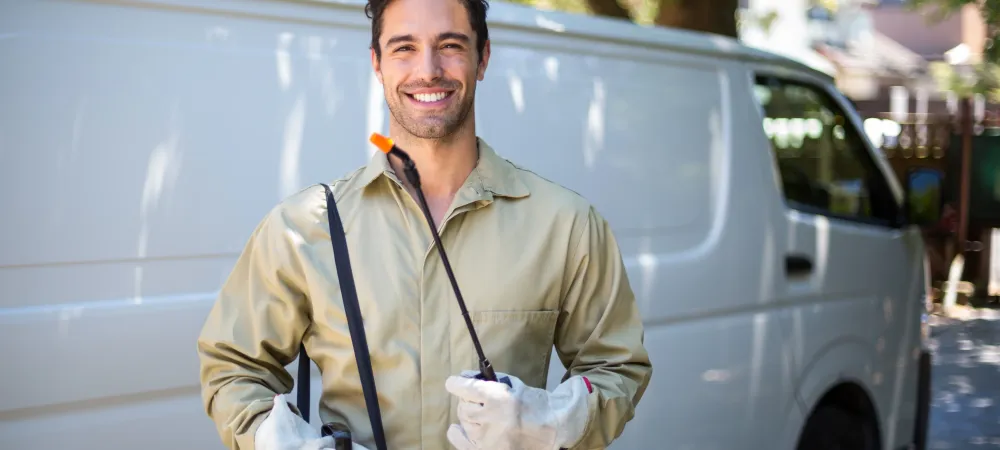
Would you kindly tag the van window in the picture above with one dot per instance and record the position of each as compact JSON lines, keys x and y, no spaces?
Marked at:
{"x":823,"y":162}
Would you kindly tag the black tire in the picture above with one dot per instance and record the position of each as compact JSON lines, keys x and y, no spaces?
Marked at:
{"x":832,"y":428}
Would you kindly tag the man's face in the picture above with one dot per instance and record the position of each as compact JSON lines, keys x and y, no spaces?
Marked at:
{"x":429,"y":65}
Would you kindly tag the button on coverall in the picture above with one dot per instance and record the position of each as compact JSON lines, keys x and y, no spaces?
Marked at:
{"x":537,"y":265}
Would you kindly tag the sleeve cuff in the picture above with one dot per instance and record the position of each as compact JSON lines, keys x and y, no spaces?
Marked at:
{"x":593,"y":403}
{"x":245,"y":438}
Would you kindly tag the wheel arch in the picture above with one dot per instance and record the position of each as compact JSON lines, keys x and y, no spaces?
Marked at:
{"x":840,"y":376}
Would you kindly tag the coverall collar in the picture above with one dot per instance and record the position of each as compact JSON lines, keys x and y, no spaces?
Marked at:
{"x":492,"y":174}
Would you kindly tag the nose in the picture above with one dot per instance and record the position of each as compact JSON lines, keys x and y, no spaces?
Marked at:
{"x":429,"y":67}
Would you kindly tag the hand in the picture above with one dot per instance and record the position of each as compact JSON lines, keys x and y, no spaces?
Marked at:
{"x":284,"y":430}
{"x":517,"y":417}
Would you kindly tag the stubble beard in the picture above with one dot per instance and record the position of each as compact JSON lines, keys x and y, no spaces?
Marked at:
{"x":439,"y":126}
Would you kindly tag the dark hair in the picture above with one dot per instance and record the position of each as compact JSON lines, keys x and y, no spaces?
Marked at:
{"x":475,"y":8}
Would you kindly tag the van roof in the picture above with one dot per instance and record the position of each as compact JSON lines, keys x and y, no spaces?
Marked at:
{"x":504,"y":14}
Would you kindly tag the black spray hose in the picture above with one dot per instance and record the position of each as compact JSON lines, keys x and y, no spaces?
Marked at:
{"x":385,"y":144}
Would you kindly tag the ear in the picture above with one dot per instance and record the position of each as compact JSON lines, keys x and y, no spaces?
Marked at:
{"x":376,"y":65}
{"x":481,"y":73}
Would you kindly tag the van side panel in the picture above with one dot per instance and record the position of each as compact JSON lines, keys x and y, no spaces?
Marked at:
{"x":855,"y":317}
{"x":655,"y":141}
{"x":142,"y":140}
{"x":140,"y":144}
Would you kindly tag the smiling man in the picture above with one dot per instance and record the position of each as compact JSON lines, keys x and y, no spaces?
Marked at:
{"x":538,"y":265}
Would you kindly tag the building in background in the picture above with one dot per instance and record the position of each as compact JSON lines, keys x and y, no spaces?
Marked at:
{"x":957,"y":40}
{"x":884,"y":56}
{"x":872,"y":67}
{"x":843,"y":39}
{"x":960,"y":37}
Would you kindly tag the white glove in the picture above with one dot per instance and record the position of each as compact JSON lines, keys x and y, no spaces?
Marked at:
{"x":495,"y":416}
{"x":285,"y":430}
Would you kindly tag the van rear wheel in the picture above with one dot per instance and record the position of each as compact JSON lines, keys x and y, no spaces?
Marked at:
{"x":833,"y":428}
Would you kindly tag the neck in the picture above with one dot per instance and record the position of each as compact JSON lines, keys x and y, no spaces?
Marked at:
{"x":444,"y":164}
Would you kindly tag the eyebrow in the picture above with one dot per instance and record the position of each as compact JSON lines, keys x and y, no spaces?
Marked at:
{"x":441,"y":37}
{"x":454,"y":35}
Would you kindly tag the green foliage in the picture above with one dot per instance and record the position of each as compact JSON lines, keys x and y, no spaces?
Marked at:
{"x":571,"y":6}
{"x":642,"y":12}
{"x":763,"y":21}
{"x":983,"y":78}
{"x":938,"y":10}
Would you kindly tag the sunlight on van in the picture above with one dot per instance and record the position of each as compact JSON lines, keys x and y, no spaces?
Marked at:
{"x":594,"y":142}
{"x":217,"y":33}
{"x":647,"y":264}
{"x":767,"y":266}
{"x":161,"y":174}
{"x":292,"y":148}
{"x":516,"y":90}
{"x":376,"y":113}
{"x":756,"y":359}
{"x":284,"y":60}
{"x":549,"y":24}
{"x":552,"y":68}
{"x":822,"y":248}
{"x":715,"y":375}
{"x":723,"y":43}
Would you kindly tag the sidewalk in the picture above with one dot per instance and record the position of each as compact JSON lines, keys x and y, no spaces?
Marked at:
{"x":965,"y":409}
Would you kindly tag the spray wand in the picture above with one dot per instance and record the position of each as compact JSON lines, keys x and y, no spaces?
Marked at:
{"x":410,"y":170}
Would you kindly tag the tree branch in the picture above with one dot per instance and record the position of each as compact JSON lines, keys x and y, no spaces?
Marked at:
{"x":711,"y":16}
{"x":609,"y":8}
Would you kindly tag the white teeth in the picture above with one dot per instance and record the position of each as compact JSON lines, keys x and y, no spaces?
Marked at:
{"x":430,"y":97}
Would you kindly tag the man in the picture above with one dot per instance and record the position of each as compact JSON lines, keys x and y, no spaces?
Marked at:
{"x":538,"y":268}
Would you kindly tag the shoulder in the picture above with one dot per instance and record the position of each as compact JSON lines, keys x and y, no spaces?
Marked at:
{"x":305,"y":209}
{"x":563,"y":203}
{"x":568,"y":213}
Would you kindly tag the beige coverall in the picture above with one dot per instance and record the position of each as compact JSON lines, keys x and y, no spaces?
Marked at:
{"x":537,"y":266}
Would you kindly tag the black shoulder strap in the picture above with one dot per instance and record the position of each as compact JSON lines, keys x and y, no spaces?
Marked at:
{"x":302,"y":392}
{"x":354,"y":323}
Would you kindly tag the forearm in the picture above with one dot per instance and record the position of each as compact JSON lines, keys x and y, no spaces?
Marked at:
{"x":612,"y":405}
{"x":237,"y":392}
{"x":618,"y":368}
{"x":238,"y":410}
{"x":252,"y":332}
{"x":601,"y":337}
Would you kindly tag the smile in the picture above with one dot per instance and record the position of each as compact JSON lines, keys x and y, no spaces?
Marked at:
{"x":431,"y":98}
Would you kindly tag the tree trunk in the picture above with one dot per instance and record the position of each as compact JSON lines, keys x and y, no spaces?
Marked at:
{"x":609,"y":8}
{"x":712,"y":16}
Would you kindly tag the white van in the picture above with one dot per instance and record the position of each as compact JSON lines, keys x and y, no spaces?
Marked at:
{"x":141,"y":140}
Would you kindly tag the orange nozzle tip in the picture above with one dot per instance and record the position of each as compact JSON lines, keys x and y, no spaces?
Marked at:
{"x":383,"y":143}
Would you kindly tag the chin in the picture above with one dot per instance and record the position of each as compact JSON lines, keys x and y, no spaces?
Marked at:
{"x":435,"y":132}
{"x":430,"y":124}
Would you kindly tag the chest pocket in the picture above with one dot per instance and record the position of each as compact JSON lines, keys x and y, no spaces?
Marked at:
{"x":517,"y":342}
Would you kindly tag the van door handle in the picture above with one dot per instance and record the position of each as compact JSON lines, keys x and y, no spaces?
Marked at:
{"x":798,"y":265}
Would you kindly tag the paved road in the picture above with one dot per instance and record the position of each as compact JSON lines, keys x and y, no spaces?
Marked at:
{"x":965,"y":413}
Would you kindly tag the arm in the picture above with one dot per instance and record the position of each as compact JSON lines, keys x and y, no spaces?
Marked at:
{"x":601,"y":335}
{"x":252,"y":332}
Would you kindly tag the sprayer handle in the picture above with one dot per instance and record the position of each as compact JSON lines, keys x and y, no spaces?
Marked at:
{"x":341,"y":435}
{"x":504,"y":380}
{"x":486,"y":373}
